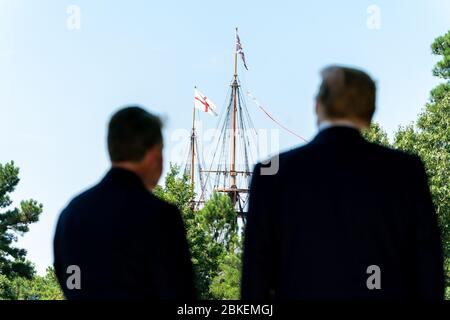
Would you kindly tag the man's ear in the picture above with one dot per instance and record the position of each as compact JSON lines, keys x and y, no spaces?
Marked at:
{"x":317,"y":107}
{"x":151,"y":154}
{"x":154,"y":153}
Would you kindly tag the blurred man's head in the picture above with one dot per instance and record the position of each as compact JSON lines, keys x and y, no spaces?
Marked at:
{"x":135,"y":143}
{"x":346,"y":94}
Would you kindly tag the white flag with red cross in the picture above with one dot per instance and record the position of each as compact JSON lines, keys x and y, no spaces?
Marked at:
{"x":202,"y":103}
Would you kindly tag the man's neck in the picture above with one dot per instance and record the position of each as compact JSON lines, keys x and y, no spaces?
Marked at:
{"x":136,"y":169}
{"x":324,"y":124}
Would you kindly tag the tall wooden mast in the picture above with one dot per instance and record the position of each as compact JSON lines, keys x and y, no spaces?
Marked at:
{"x":193,"y":148}
{"x":229,"y":169}
{"x":233,"y":141}
{"x":194,"y":162}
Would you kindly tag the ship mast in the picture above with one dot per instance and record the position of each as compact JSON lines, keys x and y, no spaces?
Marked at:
{"x":229,"y":169}
{"x":193,"y":148}
{"x":239,"y":117}
{"x":193,"y":163}
{"x":233,"y":141}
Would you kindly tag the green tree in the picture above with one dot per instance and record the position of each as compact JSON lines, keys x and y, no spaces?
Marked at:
{"x":376,"y":134}
{"x":441,"y":47}
{"x":227,"y":283}
{"x":177,"y":189}
{"x":212,"y":239}
{"x":211,"y":231}
{"x":430,"y":140}
{"x":37,"y":288}
{"x":14,"y":222}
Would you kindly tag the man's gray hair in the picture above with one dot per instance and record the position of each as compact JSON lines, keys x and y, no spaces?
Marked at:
{"x":347,"y":93}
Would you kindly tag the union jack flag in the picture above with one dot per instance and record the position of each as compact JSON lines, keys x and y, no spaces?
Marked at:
{"x":240,"y":50}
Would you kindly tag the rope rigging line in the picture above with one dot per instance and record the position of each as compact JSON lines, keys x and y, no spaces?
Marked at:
{"x":216,"y":181}
{"x":244,"y":138}
{"x":272,"y":118}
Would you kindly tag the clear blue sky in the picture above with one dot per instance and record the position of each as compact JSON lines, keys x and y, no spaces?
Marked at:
{"x":58,"y":87}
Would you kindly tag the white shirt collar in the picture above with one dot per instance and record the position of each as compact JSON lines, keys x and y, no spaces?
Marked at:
{"x":325,"y":124}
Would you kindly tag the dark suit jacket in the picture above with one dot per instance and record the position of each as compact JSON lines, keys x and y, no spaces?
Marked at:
{"x":337,"y":206}
{"x":128,"y":243}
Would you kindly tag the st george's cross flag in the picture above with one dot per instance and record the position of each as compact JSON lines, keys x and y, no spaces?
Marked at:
{"x":240,"y":50}
{"x":202,"y":103}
